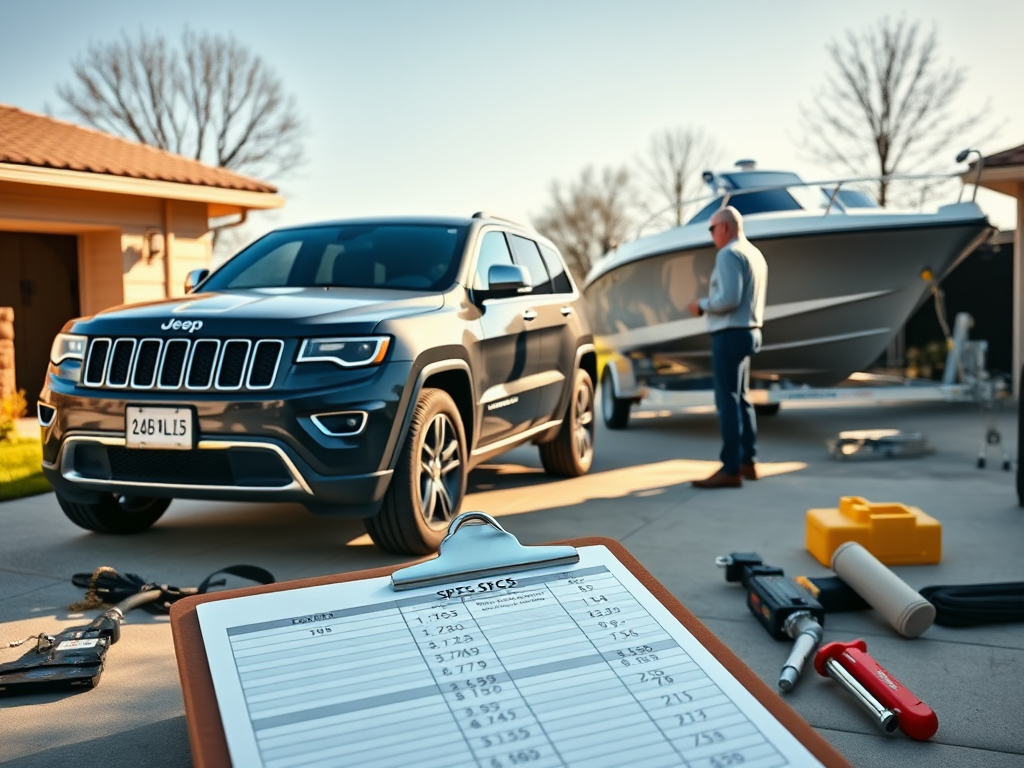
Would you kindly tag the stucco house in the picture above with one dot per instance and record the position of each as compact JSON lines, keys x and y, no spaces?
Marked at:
{"x":90,"y":221}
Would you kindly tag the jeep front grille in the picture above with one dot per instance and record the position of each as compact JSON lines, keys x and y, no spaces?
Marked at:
{"x":197,"y":365}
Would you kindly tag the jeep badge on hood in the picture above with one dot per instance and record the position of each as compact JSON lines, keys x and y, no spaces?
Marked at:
{"x":182,"y":325}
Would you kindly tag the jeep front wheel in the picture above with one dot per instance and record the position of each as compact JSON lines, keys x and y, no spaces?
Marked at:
{"x":572,"y":451}
{"x":115,"y":514}
{"x":429,"y":483}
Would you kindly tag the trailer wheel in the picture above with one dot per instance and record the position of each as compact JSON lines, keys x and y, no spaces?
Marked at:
{"x":767,"y":409}
{"x":615,"y":410}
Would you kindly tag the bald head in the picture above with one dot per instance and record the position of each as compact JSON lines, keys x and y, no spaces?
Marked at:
{"x":732,"y":218}
{"x":726,"y":226}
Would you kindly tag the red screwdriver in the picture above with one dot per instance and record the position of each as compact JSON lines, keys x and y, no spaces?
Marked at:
{"x":889,"y":701}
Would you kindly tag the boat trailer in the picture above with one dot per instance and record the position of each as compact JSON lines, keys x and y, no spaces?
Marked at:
{"x":966,"y":379}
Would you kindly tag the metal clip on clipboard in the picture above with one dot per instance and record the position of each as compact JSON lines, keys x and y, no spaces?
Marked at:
{"x":477,"y":546}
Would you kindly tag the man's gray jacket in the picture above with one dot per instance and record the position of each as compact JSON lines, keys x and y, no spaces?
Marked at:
{"x":739,"y":283}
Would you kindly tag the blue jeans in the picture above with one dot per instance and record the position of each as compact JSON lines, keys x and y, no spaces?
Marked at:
{"x":731,"y":350}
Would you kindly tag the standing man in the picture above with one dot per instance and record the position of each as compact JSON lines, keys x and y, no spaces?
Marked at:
{"x":735,"y":310}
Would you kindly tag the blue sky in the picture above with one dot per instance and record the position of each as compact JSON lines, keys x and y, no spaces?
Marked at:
{"x":453,"y":107}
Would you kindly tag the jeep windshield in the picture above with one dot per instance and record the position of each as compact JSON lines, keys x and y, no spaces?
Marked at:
{"x":400,"y":256}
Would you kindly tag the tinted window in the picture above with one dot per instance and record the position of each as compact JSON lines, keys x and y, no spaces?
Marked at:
{"x":559,"y":278}
{"x":528,"y":255}
{"x":270,"y":268}
{"x":754,"y":202}
{"x":853,"y":198}
{"x":395,"y":256}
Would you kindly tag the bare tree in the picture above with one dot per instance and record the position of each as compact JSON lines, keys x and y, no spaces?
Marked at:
{"x":210,"y":99}
{"x":888,"y":107}
{"x":671,"y":170}
{"x":589,"y":216}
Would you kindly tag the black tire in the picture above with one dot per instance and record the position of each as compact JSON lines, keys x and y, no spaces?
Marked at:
{"x":115,"y":514}
{"x":615,"y":410}
{"x":767,"y":409}
{"x":571,"y":453}
{"x":419,"y":505}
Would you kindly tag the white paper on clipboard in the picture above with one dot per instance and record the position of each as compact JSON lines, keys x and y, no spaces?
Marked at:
{"x":556,"y":666}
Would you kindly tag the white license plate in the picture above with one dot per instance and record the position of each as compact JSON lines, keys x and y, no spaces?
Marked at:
{"x":158,"y":427}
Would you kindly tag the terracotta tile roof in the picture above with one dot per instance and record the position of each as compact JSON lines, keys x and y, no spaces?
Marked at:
{"x":1005,"y":158}
{"x":37,"y":140}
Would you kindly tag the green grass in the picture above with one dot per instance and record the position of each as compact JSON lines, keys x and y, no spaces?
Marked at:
{"x":20,"y":473}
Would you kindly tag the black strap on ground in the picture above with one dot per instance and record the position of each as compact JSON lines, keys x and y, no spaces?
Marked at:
{"x":969,"y":605}
{"x":105,"y":586}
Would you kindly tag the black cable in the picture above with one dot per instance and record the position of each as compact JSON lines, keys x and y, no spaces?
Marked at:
{"x":968,"y":605}
{"x":105,"y":586}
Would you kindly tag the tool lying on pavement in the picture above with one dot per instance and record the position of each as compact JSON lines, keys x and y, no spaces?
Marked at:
{"x":902,"y":606}
{"x":784,"y":608}
{"x":897,"y":534}
{"x":878,"y":444}
{"x":72,"y":659}
{"x":889,"y":702}
{"x":970,"y":605}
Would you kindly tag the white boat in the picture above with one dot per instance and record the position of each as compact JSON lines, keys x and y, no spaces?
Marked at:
{"x":843,"y":277}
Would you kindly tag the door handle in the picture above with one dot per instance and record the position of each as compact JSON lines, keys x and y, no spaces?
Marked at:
{"x":529,"y":314}
{"x":566,"y":311}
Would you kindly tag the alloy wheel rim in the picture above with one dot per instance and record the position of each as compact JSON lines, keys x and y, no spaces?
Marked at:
{"x":583,"y":423}
{"x":440,"y":472}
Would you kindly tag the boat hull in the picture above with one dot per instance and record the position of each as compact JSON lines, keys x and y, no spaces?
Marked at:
{"x":835,"y":299}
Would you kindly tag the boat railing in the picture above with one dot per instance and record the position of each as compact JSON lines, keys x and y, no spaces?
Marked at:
{"x":824,"y":184}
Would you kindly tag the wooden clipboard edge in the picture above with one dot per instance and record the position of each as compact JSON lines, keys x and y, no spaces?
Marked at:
{"x":206,"y":733}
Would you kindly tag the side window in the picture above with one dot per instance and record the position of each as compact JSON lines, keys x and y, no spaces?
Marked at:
{"x":556,"y":268}
{"x":493,"y":250}
{"x":528,"y":255}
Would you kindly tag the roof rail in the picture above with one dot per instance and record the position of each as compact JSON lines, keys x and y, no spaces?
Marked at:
{"x":486,"y":215}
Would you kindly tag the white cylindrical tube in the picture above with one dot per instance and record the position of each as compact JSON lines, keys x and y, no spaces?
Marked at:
{"x":900,"y":604}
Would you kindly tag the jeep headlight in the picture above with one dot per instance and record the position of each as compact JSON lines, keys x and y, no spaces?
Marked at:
{"x":354,"y":352}
{"x":67,"y":346}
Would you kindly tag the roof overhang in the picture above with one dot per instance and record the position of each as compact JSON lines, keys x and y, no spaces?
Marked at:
{"x":1006,"y":179}
{"x":221,"y":201}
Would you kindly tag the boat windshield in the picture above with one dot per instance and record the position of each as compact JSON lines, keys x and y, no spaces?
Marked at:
{"x":851,"y":198}
{"x":788,"y":194}
{"x":758,"y":179}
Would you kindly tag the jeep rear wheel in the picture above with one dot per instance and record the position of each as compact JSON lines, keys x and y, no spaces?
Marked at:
{"x":429,"y":483}
{"x":571,"y":453}
{"x":115,"y":514}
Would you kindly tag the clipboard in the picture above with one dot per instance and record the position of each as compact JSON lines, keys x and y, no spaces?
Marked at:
{"x":475,"y":547}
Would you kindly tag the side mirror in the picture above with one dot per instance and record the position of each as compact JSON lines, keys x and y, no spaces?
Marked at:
{"x":507,"y":280}
{"x":194,"y":278}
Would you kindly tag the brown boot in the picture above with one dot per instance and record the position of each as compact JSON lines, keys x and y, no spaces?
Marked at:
{"x":720,"y":480}
{"x":748,"y":471}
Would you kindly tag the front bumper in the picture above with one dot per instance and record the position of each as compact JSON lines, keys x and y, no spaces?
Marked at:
{"x":245,"y":449}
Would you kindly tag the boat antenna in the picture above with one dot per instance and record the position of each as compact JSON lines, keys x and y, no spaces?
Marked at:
{"x":961,"y":157}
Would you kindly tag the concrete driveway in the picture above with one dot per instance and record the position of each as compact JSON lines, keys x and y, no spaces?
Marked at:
{"x":638,"y":492}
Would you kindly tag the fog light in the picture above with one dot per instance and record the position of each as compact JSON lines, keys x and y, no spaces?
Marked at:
{"x":343,"y":424}
{"x":45,"y":414}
